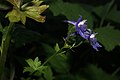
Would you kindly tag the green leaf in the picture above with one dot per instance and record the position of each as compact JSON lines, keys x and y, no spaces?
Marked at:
{"x":102,"y":11}
{"x":23,"y":18}
{"x":114,"y":15}
{"x":70,"y":10}
{"x":37,"y":2}
{"x":22,"y":36}
{"x":109,"y":12}
{"x":34,"y":66}
{"x":1,"y":28}
{"x":95,"y":73}
{"x":48,"y":74}
{"x":20,"y":13}
{"x":35,"y":16}
{"x":28,"y":69}
{"x":70,"y":77}
{"x":71,"y":29}
{"x":48,"y":49}
{"x":4,"y":7}
{"x":109,"y":37}
{"x":16,"y":3}
{"x":37,"y":62}
{"x":58,"y":62}
{"x":57,"y":47}
{"x":35,"y":10}
{"x":31,"y":63}
{"x":14,"y":16}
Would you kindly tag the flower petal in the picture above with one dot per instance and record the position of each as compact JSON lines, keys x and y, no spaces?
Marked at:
{"x":71,"y":22}
{"x":79,"y":20}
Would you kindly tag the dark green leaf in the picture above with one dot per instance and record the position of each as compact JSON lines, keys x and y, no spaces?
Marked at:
{"x":95,"y":73}
{"x":4,"y":7}
{"x":21,"y":36}
{"x":114,"y":15}
{"x":70,"y":10}
{"x":48,"y":49}
{"x":1,"y":28}
{"x":109,"y":37}
{"x":48,"y":74}
{"x":58,"y":62}
{"x":102,"y":11}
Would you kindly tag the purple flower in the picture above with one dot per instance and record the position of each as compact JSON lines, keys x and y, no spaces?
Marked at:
{"x":88,"y":34}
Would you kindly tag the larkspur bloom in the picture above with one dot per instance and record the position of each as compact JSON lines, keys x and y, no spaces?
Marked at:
{"x":88,"y":34}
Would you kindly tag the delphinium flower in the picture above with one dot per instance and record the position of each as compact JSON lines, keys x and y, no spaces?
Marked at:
{"x":84,"y":32}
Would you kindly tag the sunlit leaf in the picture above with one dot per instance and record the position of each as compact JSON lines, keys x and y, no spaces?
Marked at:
{"x":37,"y":2}
{"x":16,"y":3}
{"x":37,"y":63}
{"x":35,"y":16}
{"x":31,"y":63}
{"x":33,"y":11}
{"x":14,"y":16}
{"x":34,"y":66}
{"x":23,"y":18}
{"x":57,"y":47}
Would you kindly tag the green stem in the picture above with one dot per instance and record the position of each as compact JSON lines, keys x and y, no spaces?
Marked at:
{"x":52,"y":56}
{"x":116,"y":71}
{"x":59,"y":52}
{"x":4,"y":48}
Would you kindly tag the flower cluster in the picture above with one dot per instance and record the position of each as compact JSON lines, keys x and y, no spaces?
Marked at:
{"x":88,"y":34}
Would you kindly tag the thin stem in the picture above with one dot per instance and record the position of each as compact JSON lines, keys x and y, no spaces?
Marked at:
{"x":49,"y":58}
{"x":52,"y":56}
{"x":4,"y":48}
{"x":56,"y":54}
{"x":116,"y":71}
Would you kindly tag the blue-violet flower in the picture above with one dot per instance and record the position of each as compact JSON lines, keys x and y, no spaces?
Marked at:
{"x":88,"y":34}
